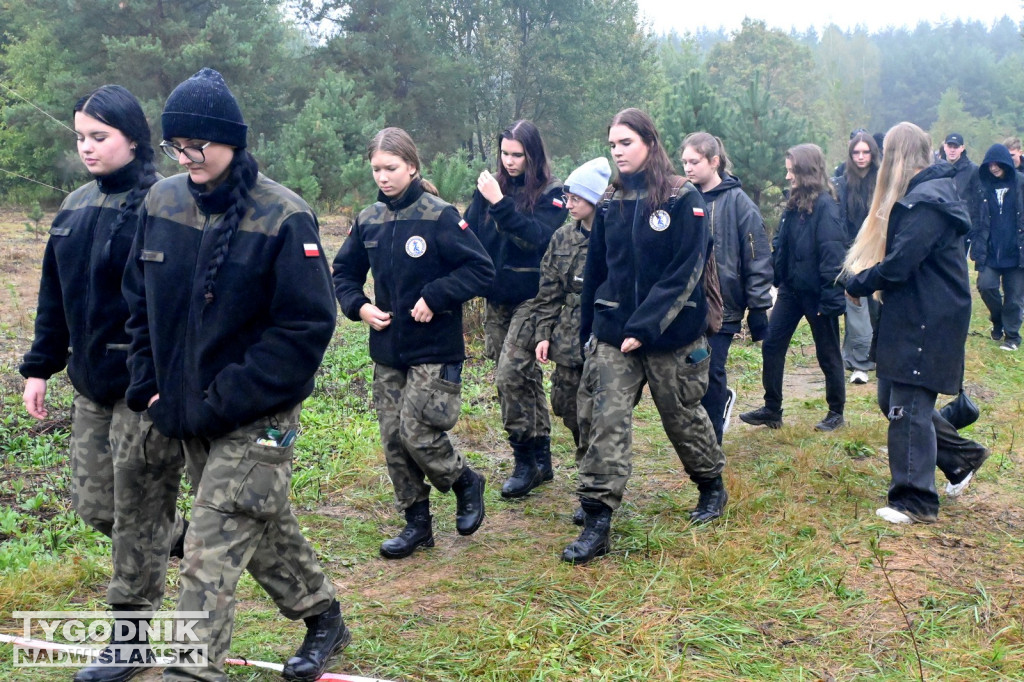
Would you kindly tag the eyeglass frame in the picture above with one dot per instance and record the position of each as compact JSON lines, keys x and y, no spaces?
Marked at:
{"x":174,"y":152}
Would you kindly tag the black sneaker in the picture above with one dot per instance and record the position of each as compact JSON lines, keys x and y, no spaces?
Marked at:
{"x":996,"y":334}
{"x":762,"y":416}
{"x":1009,"y":346}
{"x":730,"y":402}
{"x":831,"y":422}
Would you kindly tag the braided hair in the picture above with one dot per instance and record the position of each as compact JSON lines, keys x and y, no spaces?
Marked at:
{"x":116,"y":107}
{"x":242,"y":174}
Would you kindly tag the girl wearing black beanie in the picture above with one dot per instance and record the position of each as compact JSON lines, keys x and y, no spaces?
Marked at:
{"x":81,"y":307}
{"x":231,"y":312}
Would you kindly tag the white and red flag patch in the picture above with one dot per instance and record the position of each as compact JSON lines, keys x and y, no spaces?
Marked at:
{"x":463,"y":224}
{"x":699,"y":212}
{"x":311,"y":250}
{"x":558,"y":203}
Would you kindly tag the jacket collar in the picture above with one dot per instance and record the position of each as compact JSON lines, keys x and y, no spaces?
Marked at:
{"x":121,"y":180}
{"x":413,"y":192}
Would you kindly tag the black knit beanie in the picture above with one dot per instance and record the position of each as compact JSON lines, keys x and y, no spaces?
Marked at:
{"x":203,"y":108}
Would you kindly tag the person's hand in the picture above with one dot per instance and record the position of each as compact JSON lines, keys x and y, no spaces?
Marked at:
{"x":489,"y":188}
{"x":374,"y":316}
{"x":630,"y":344}
{"x":757,"y":320}
{"x":35,"y":397}
{"x":153,"y":400}
{"x":542,"y":351}
{"x":421,"y":312}
{"x":853,"y":299}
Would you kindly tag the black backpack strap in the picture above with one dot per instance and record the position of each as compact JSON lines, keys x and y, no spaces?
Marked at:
{"x":606,"y":199}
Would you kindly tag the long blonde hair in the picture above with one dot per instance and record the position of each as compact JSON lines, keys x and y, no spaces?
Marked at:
{"x":908,"y":150}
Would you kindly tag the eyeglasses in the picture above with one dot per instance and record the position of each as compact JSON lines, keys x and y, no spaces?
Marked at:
{"x":193,"y":154}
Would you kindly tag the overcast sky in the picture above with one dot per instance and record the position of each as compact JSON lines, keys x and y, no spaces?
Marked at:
{"x":666,"y":15}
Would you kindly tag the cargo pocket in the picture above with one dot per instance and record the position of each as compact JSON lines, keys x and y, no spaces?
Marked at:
{"x":439,"y":402}
{"x":265,"y":476}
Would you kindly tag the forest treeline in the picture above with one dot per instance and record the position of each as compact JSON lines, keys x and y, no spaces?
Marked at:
{"x":317,"y":78}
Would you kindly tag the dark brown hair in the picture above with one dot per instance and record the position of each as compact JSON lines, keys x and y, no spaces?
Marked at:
{"x":536,"y":173}
{"x":811,"y":179}
{"x":658,"y":167}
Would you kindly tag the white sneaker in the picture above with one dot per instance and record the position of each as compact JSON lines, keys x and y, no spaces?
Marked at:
{"x":893,"y":515}
{"x":859,"y":376}
{"x":956,"y":489}
{"x":730,"y":402}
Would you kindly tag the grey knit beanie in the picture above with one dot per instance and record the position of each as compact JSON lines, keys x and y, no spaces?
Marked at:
{"x":590,"y":180}
{"x":203,"y":108}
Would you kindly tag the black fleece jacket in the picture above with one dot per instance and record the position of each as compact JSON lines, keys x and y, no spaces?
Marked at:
{"x":81,"y":312}
{"x":516,"y":241}
{"x":254,"y":349}
{"x":644,"y":270}
{"x":416,"y":245}
{"x":997,"y":240}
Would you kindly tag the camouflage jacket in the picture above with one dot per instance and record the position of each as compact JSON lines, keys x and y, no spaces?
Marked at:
{"x":556,"y":306}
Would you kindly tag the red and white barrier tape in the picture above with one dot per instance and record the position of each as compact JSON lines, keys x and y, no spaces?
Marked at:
{"x":57,"y":646}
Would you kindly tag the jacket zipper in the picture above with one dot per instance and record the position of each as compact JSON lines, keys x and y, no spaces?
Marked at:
{"x":88,"y":283}
{"x":188,"y":326}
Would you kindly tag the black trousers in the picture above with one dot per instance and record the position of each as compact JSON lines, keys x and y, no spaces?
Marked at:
{"x":790,"y":307}
{"x":714,"y":400}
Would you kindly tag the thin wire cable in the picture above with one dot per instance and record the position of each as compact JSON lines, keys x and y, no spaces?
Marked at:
{"x":35,"y":181}
{"x":57,"y":121}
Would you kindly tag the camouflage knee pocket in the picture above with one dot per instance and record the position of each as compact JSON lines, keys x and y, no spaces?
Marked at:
{"x":435,"y":394}
{"x":248,"y":477}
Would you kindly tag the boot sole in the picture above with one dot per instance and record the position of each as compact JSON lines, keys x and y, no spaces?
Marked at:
{"x":121,"y":678}
{"x":770,"y":423}
{"x":429,"y":542}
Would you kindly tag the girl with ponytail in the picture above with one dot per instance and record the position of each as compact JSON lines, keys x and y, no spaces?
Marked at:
{"x":81,"y":308}
{"x":231,"y":312}
{"x":425,"y":265}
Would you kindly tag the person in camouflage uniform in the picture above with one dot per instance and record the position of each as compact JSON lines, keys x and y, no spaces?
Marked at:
{"x":556,"y":307}
{"x":81,"y":308}
{"x":514,"y":215}
{"x":231,"y":312}
{"x":425,"y":265}
{"x":644,"y":304}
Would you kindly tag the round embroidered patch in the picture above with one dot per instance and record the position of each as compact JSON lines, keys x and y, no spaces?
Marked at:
{"x":416,"y":246}
{"x":660,"y":221}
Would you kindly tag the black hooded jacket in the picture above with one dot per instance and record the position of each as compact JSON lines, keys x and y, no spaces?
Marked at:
{"x":997,"y":240}
{"x":926,"y":295}
{"x":968,"y":185}
{"x":742,"y":254}
{"x":808,"y":253}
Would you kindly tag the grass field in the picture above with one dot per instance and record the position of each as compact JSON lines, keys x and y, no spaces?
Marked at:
{"x":799,"y":580}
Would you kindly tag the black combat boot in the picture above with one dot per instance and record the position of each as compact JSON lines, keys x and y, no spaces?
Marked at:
{"x":326,"y":635}
{"x":526,"y":476}
{"x":578,"y":516}
{"x":711,"y":501}
{"x":178,"y":548}
{"x":469,"y":501}
{"x":593,"y":541}
{"x":418,"y":532}
{"x":128,"y":645}
{"x":542,"y":455}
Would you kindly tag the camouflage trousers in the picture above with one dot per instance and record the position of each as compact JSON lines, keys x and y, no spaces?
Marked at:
{"x":524,"y":407}
{"x":565,"y":386}
{"x":124,"y":483}
{"x":242,"y":520}
{"x":415,"y":407}
{"x":611,"y":384}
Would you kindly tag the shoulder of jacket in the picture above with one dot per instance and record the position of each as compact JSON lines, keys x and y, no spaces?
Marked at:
{"x":87,"y":195}
{"x":267,"y":191}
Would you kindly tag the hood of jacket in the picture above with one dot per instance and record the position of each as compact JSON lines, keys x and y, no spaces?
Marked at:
{"x":997,"y":153}
{"x":934,"y":186}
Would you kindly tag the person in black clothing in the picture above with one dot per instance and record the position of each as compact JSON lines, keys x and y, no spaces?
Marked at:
{"x":997,"y":246}
{"x":425,"y":265}
{"x":854,"y":189}
{"x":910,"y":255}
{"x":968,"y":185}
{"x":81,"y":308}
{"x":743,"y":258}
{"x":808,"y":253}
{"x":514,"y":215}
